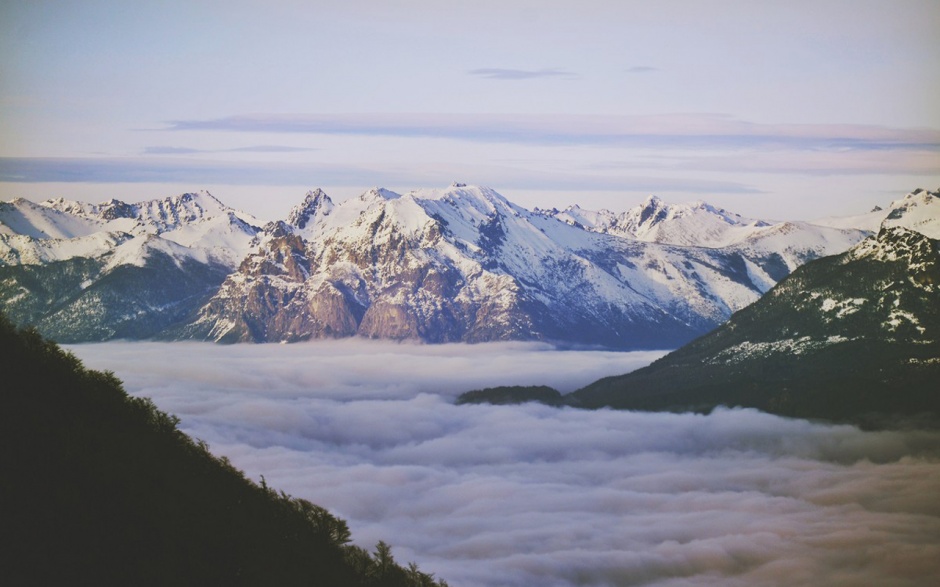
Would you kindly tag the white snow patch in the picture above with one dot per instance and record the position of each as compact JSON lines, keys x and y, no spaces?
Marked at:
{"x":843,"y":307}
{"x":796,"y":346}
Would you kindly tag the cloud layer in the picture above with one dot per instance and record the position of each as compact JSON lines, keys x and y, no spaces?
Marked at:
{"x":265,"y":173}
{"x":529,"y":495}
{"x":521,"y":74}
{"x":676,"y":131}
{"x":166,"y":150}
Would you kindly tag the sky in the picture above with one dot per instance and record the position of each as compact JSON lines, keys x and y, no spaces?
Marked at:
{"x":781,"y":109}
{"x":532,"y":495}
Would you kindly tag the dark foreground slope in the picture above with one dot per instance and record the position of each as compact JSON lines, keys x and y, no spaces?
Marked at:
{"x":850,"y":338}
{"x":98,"y":488}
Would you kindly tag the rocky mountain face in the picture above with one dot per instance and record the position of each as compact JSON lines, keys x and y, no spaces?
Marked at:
{"x":853,"y":337}
{"x":456,"y":264}
{"x":81,"y":272}
{"x":465,"y":264}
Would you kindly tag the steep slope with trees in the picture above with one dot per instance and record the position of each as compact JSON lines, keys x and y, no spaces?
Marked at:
{"x":101,"y":488}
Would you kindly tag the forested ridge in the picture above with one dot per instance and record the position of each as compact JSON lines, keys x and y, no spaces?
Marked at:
{"x":98,"y":487}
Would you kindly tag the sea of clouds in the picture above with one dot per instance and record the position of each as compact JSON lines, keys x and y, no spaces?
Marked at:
{"x":531,"y":495}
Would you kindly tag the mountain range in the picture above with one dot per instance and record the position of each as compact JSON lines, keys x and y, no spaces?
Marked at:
{"x":83,"y":272}
{"x":853,"y":337}
{"x":461,"y":263}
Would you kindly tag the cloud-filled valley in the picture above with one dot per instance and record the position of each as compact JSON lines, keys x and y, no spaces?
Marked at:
{"x":531,"y":495}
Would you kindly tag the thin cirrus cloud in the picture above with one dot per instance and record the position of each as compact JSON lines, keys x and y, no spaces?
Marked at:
{"x":647,"y":132}
{"x":172,"y":170}
{"x":166,"y":150}
{"x":498,"y":73}
{"x":642,"y":69}
{"x":532,"y":495}
{"x":183,"y":170}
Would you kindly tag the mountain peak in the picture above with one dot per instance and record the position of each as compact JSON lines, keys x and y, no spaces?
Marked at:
{"x":277,"y":229}
{"x":918,"y":210}
{"x":652,"y":212}
{"x":316,"y":203}
{"x":378,"y":193}
{"x":170,"y":213}
{"x":920,"y":196}
{"x":201,"y":199}
{"x":893,"y":243}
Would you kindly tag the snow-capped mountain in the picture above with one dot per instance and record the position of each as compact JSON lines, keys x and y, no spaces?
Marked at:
{"x":57,"y":230}
{"x":780,"y":247}
{"x":82,"y":271}
{"x":694,"y":225}
{"x":456,"y":264}
{"x":852,"y":337}
{"x":466,"y":264}
{"x":918,"y":210}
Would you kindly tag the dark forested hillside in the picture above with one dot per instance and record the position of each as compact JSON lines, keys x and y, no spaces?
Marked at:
{"x":98,"y":488}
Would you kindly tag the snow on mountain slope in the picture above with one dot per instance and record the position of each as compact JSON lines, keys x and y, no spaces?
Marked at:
{"x":172,"y":213}
{"x":60,"y":229}
{"x":782,"y":247}
{"x":225,"y":238}
{"x":461,"y":263}
{"x":22,"y":217}
{"x":82,"y":271}
{"x":137,"y":252}
{"x":161,"y":214}
{"x":770,"y":250}
{"x":465,"y":264}
{"x":315,"y":206}
{"x":702,"y":225}
{"x":27,"y":250}
{"x":552,"y":257}
{"x":697,"y":224}
{"x":918,"y":211}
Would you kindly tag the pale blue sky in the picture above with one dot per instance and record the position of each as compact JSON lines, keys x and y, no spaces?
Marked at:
{"x":791,"y":109}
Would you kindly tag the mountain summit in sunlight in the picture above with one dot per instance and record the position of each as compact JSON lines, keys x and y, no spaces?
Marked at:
{"x":465,"y":264}
{"x":461,"y":263}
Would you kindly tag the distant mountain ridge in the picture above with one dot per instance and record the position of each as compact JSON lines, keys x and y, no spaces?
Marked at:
{"x":81,"y":272}
{"x":696,"y":224}
{"x":466,"y":264}
{"x":437,"y":265}
{"x":852,"y":337}
{"x":916,"y":211}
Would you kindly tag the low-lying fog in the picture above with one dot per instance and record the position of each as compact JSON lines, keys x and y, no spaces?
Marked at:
{"x":531,"y":495}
